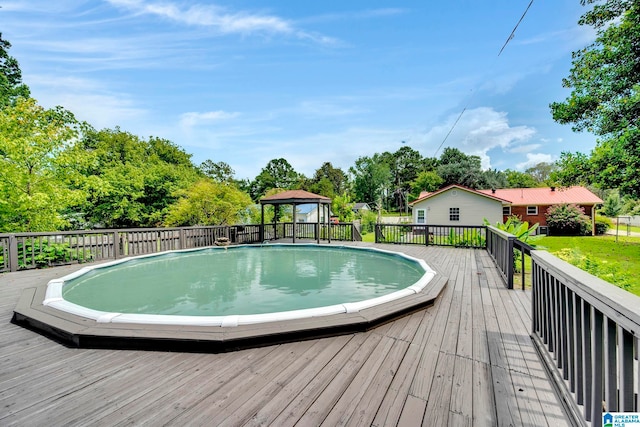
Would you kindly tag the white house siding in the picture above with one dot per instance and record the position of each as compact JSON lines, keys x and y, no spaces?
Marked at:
{"x":474,"y":208}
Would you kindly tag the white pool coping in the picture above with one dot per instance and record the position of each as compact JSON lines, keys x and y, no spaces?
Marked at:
{"x":54,"y":299}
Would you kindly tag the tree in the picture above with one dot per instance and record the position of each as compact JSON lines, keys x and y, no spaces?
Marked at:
{"x":458,"y":168}
{"x":278,"y":173}
{"x":516,"y":179}
{"x":542,"y":172}
{"x":342,"y":206}
{"x":404,"y":165}
{"x":612,"y":205}
{"x":425,"y":181}
{"x":573,"y":169}
{"x":131,"y":181}
{"x":11,"y":86}
{"x":220,"y":171}
{"x":328,"y":181}
{"x":34,"y":150}
{"x":207,"y":202}
{"x":370,"y":179}
{"x":605,"y":97}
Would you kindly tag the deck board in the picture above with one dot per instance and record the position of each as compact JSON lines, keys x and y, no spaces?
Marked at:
{"x":466,"y":360}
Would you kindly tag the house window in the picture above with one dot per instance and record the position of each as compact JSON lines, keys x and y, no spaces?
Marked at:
{"x":421,"y":216}
{"x":532,"y":210}
{"x":506,"y":210}
{"x":454,"y":214}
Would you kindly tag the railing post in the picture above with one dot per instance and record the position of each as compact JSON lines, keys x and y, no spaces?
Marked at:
{"x":510,"y":262}
{"x":116,"y":245}
{"x":182,"y":239}
{"x":13,"y":253}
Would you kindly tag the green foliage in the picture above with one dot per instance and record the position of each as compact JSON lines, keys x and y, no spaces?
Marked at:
{"x":343,"y":208}
{"x":278,"y":173}
{"x":470,"y":238}
{"x":328,"y":181}
{"x":11,"y":86}
{"x":612,"y":205}
{"x":36,"y":164}
{"x":597,"y":267}
{"x":622,"y":255}
{"x":208,"y":202}
{"x":220,"y":171}
{"x":602,"y":225}
{"x":46,"y":254}
{"x":458,"y":168}
{"x":568,"y":220}
{"x":425,"y":181}
{"x":605,"y":97}
{"x":573,"y":169}
{"x":371,"y":178}
{"x":516,"y":227}
{"x":368,"y":220}
{"x":131,"y":182}
{"x":516,"y":179}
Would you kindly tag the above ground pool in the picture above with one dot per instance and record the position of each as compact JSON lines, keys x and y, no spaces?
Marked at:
{"x":238,"y":285}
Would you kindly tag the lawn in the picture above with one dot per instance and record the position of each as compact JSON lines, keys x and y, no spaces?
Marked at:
{"x":617,"y":263}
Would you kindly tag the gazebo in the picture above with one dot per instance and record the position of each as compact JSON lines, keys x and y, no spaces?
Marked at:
{"x":295,"y":198}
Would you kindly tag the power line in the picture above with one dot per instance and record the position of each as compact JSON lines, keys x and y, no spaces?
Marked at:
{"x":511,"y":36}
{"x":513,"y":33}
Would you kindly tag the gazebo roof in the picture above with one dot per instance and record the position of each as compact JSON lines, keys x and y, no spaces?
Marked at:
{"x":294,"y":196}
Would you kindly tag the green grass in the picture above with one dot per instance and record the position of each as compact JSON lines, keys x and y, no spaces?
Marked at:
{"x":369,"y":237}
{"x":617,"y":263}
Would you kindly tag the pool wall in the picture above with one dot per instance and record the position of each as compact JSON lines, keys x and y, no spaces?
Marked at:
{"x":79,"y":331}
{"x":54,"y":298}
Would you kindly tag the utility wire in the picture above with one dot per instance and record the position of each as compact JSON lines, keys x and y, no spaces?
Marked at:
{"x":513,"y":33}
{"x":511,"y":36}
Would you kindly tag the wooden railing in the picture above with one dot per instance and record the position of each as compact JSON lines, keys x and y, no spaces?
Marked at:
{"x":468,"y":236}
{"x":34,"y":250}
{"x":310,"y":231}
{"x":586,"y":331}
{"x":507,"y":251}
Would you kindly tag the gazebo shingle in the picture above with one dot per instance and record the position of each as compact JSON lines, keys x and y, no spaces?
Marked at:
{"x":294,"y":196}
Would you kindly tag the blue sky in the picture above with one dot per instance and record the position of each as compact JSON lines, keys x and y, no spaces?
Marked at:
{"x":245,"y":81}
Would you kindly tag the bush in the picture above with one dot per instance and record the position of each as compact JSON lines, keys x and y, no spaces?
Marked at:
{"x":602,"y":225}
{"x":368,"y":221}
{"x":568,"y":220}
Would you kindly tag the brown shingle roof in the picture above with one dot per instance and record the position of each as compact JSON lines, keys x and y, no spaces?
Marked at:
{"x":295,"y":196}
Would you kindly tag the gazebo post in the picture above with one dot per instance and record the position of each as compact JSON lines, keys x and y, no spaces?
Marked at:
{"x":318,"y":222}
{"x":329,"y":222}
{"x":262,"y":223}
{"x":295,"y":198}
{"x":294,"y":223}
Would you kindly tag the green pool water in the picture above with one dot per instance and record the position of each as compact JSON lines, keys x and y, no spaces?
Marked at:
{"x":242,"y":280}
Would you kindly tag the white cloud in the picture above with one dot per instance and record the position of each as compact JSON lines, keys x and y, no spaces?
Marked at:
{"x":220,"y":19}
{"x":478,"y":131}
{"x":194,"y":119}
{"x":87,"y":99}
{"x":525,"y":148}
{"x":535,"y":158}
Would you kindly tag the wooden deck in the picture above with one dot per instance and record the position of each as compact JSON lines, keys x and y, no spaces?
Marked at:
{"x":467,"y":360}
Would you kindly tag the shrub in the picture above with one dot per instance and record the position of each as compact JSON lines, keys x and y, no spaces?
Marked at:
{"x":368,"y":221}
{"x":602,"y":225}
{"x":568,"y":220}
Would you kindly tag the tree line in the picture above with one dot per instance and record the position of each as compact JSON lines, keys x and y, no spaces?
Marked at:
{"x":57,"y":172}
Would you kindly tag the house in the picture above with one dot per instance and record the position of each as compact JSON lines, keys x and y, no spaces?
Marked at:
{"x":358,"y":207}
{"x":457,"y":205}
{"x":531,"y":204}
{"x":308,"y":213}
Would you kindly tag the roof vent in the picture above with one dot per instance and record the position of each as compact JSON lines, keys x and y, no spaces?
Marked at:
{"x":553,"y":188}
{"x":493,"y":191}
